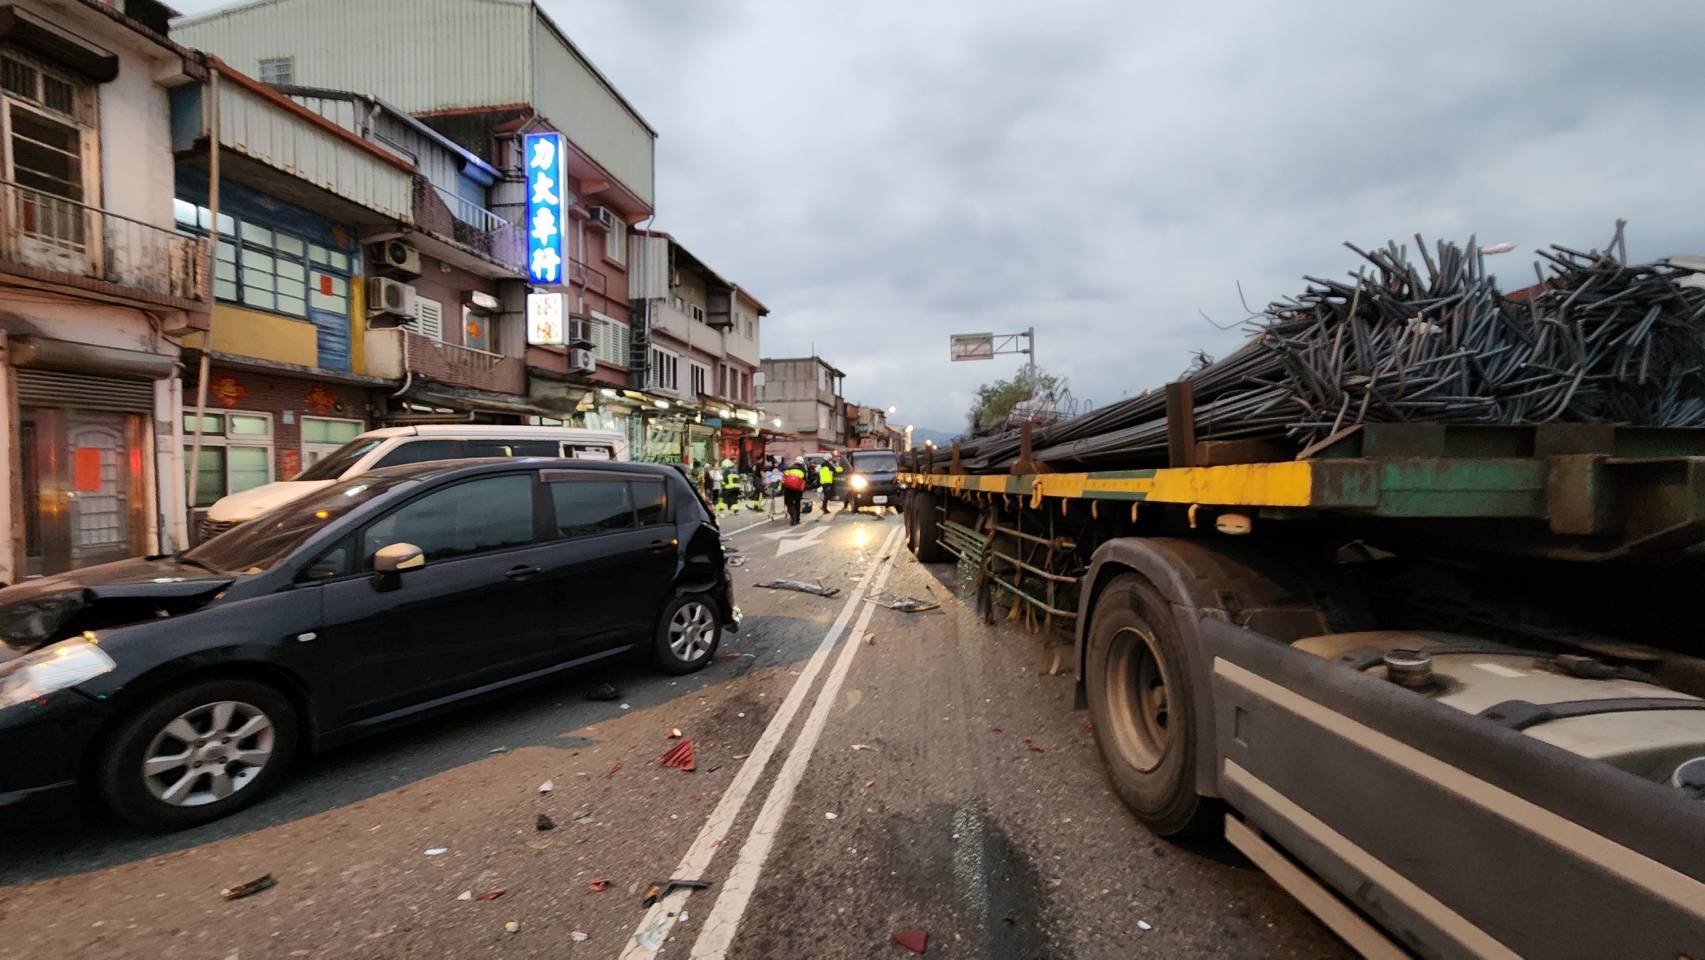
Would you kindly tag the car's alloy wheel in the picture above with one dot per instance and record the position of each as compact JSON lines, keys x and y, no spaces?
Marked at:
{"x":208,"y":753}
{"x":692,"y":631}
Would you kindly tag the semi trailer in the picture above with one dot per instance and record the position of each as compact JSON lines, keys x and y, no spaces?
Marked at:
{"x":1443,"y":682}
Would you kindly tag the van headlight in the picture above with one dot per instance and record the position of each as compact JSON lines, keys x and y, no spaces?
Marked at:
{"x":54,"y":667}
{"x":858,"y":483}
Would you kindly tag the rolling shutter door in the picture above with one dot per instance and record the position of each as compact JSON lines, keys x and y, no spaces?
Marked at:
{"x":52,"y":388}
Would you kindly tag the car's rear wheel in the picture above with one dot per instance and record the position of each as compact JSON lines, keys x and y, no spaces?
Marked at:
{"x":198,"y":753}
{"x":688,"y":633}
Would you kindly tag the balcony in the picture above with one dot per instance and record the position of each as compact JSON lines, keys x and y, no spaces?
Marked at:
{"x":52,"y":239}
{"x":393,"y":353}
{"x":469,"y":228}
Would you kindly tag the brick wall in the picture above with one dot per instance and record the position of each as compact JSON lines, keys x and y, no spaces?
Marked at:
{"x":269,"y":393}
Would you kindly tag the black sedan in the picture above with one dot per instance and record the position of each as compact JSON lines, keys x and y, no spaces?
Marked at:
{"x":179,"y":687}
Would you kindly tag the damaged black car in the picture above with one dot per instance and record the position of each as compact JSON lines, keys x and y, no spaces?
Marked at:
{"x":177,"y":689}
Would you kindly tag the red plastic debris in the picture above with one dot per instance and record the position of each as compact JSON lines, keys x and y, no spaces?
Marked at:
{"x":598,"y":885}
{"x":870,"y":783}
{"x":1089,"y":728}
{"x":614,"y":770}
{"x":679,"y":757}
{"x":998,"y":731}
{"x":1033,"y":748}
{"x":916,"y":941}
{"x":490,"y":895}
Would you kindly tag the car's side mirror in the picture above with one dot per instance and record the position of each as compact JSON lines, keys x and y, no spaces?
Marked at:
{"x":398,"y":557}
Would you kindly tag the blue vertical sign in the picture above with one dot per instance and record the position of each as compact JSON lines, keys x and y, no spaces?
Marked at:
{"x":545,"y":191}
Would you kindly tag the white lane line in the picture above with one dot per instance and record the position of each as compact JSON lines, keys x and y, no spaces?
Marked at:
{"x":747,"y":527}
{"x":724,"y":918}
{"x":653,"y":929}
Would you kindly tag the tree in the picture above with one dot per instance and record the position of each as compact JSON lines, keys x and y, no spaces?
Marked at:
{"x":995,"y":401}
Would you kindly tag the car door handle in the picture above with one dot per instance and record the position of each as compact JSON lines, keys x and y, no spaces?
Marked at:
{"x":663,"y":546}
{"x":523,"y":573}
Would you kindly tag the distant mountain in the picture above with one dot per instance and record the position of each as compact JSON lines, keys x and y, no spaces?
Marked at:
{"x":941,"y":437}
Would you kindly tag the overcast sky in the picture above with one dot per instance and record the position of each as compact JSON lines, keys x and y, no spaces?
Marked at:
{"x":882,"y":174}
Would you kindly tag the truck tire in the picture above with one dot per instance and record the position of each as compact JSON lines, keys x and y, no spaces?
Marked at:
{"x":926,"y":529}
{"x":1142,"y":706}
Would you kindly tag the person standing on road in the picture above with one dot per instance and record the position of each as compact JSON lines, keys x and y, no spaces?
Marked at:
{"x":731,"y":489}
{"x":793,"y":490}
{"x":826,"y":480}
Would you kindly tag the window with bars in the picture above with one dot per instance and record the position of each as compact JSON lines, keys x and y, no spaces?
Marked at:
{"x":664,"y":372}
{"x":270,"y":269}
{"x":236,"y":453}
{"x":700,"y":379}
{"x":278,"y":70}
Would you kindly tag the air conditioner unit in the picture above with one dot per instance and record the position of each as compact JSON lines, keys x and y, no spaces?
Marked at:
{"x":581,"y":361}
{"x":603,"y":217}
{"x":579,"y":331}
{"x":399,"y":256}
{"x":390,"y":297}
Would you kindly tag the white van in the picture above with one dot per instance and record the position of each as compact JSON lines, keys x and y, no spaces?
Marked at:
{"x":391,"y":446}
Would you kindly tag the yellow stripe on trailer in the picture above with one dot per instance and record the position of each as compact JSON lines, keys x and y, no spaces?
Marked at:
{"x":1245,"y":484}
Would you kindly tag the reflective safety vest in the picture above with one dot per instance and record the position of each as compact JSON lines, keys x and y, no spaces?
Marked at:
{"x":825,"y":475}
{"x":793,"y":478}
{"x":730,"y":480}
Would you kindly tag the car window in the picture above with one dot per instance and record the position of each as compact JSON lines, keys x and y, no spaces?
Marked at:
{"x":501,"y":447}
{"x":332,"y":465}
{"x":874,"y":463}
{"x":420,"y":451}
{"x":472,"y":517}
{"x":587,"y":507}
{"x":650,"y":502}
{"x":266,"y":540}
{"x":585,"y":451}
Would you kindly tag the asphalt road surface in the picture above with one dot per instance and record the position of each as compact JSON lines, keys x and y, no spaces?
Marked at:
{"x":859,"y":771}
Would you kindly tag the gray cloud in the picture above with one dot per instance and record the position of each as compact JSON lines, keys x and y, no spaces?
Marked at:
{"x":883,"y":174}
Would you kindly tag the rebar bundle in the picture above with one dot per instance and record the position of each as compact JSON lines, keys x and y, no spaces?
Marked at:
{"x":1595,"y":340}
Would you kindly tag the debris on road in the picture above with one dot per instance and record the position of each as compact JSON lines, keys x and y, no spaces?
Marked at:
{"x":659,"y":889}
{"x":603,"y":691}
{"x":906,"y":604}
{"x":498,"y":750}
{"x":998,"y":731}
{"x":651,"y":939}
{"x":737,"y":561}
{"x":490,"y":895}
{"x":831,"y":815}
{"x":682,"y":918}
{"x":512,"y":926}
{"x":1144,"y":925}
{"x":861,"y":746}
{"x":674,"y":733}
{"x":578,"y":936}
{"x":679,"y":757}
{"x":547,"y":786}
{"x":597,"y":885}
{"x":1030,"y":745}
{"x":813,"y":588}
{"x":465,"y":896}
{"x":583,"y":813}
{"x":617,"y":768}
{"x":870,"y":783}
{"x":249,"y":889}
{"x":916,"y":941}
{"x":627,"y":706}
{"x":544,"y":823}
{"x":437,"y":851}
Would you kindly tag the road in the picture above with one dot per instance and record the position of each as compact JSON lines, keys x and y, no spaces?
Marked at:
{"x":859,"y":771}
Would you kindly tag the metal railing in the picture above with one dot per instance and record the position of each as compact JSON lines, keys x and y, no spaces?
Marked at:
{"x":53,"y":233}
{"x":470,"y":212}
{"x":458,"y":357}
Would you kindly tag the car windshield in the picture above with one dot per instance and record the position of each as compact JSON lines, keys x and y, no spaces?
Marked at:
{"x":874,"y":463}
{"x":332,"y":465}
{"x":259,"y":544}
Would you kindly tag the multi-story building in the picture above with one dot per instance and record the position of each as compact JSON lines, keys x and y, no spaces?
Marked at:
{"x":868,"y":429}
{"x":804,"y":393}
{"x":96,"y":287}
{"x":281,"y":376}
{"x":703,"y":355}
{"x":485,"y":74}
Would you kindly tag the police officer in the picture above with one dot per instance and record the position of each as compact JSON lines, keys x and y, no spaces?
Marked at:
{"x":826,"y":480}
{"x":793,"y":489}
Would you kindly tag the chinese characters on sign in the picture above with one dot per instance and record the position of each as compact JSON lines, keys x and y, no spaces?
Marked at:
{"x":545,"y":191}
{"x":546,"y":318}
